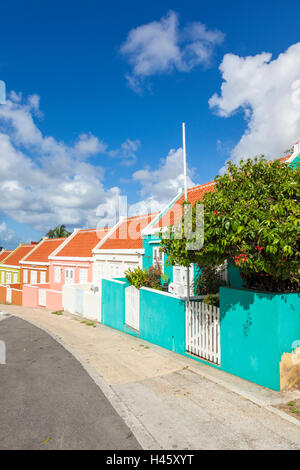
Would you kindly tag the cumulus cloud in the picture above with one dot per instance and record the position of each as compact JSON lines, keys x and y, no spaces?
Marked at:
{"x":161,"y":47}
{"x":8,"y":237}
{"x":43,"y":181}
{"x":160,"y":185}
{"x":268,"y":93}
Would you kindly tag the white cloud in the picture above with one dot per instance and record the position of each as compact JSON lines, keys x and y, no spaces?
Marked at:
{"x":268,"y":92}
{"x":44,"y":182}
{"x":7,"y":236}
{"x":161,"y":47}
{"x":159,"y":186}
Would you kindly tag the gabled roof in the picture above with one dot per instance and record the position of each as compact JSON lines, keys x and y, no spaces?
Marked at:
{"x":81,"y":244}
{"x":18,"y":254}
{"x":4,"y":254}
{"x":43,"y":250}
{"x":127,"y":234}
{"x":176,"y":211}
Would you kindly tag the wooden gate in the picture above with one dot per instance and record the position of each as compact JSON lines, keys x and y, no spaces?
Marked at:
{"x":42,"y":297}
{"x":203,"y":331}
{"x":132,"y":307}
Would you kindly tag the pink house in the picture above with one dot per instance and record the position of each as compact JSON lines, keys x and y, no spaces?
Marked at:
{"x":72,"y":261}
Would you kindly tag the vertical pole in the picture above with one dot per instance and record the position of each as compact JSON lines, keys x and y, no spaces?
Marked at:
{"x":185,"y":198}
{"x":184,"y":161}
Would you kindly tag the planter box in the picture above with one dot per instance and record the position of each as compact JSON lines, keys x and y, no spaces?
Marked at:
{"x":260,"y":336}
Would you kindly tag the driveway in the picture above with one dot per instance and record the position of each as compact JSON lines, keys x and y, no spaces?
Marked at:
{"x":48,"y":400}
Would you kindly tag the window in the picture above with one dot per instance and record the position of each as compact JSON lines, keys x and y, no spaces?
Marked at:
{"x":33,"y":277}
{"x":57,"y":274}
{"x":69,"y":276}
{"x":158,"y":257}
{"x":8,"y":278}
{"x":15,"y":278}
{"x":99,"y":271}
{"x":43,"y":277}
{"x":83,"y":276}
{"x":2,"y":277}
{"x":25,"y":276}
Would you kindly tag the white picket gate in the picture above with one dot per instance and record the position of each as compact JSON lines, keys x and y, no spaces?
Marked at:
{"x":203,"y":331}
{"x":132,"y":307}
{"x":42,"y":297}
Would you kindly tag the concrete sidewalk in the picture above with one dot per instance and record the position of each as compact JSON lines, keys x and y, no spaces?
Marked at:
{"x":169,"y":401}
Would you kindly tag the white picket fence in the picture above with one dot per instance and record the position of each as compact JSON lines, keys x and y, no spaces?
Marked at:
{"x":132,"y":307}
{"x":203,"y":331}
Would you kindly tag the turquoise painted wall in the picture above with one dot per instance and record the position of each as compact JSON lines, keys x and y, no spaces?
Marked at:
{"x":162,"y":320}
{"x":113,"y":305}
{"x":148,"y":256}
{"x":234,"y":276}
{"x":256,"y":329}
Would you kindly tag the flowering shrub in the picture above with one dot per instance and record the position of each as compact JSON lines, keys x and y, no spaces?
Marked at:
{"x":252,"y":220}
{"x":145,"y":277}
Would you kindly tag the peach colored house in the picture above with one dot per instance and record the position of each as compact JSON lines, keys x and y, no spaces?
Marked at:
{"x":35,"y":265}
{"x":72,"y":262}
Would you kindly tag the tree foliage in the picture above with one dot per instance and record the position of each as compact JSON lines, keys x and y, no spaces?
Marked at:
{"x":252,"y":219}
{"x":145,"y":277}
{"x":58,"y":232}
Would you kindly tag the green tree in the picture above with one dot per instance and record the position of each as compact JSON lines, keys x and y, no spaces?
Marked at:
{"x":58,"y":232}
{"x":252,"y":220}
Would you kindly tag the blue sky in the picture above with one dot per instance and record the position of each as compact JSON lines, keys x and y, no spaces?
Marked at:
{"x":75,"y":56}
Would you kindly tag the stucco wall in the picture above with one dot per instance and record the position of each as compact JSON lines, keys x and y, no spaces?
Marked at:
{"x":257,"y":329}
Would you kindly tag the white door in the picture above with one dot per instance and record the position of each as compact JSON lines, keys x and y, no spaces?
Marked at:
{"x":180,"y":280}
{"x":8,"y":295}
{"x":8,"y":278}
{"x":2,"y":277}
{"x":25,"y":276}
{"x":42,"y":277}
{"x":132,"y":307}
{"x":69,"y":276}
{"x":33,"y":277}
{"x":42,"y":297}
{"x":15,"y":278}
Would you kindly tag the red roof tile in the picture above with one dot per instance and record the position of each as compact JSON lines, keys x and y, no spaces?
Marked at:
{"x":4,"y":254}
{"x":44,"y":250}
{"x":176,"y":211}
{"x":283,"y":159}
{"x":18,"y":254}
{"x":128,"y":235}
{"x":82,"y":244}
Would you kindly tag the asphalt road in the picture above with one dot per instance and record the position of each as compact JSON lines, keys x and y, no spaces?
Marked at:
{"x":47,"y":399}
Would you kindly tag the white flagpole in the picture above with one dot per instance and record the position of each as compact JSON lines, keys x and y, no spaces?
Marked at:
{"x":185,"y":198}
{"x":184,"y":161}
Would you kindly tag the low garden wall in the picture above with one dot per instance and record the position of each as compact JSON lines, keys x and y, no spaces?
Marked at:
{"x":162,"y":319}
{"x":82,"y":301}
{"x":260,"y":336}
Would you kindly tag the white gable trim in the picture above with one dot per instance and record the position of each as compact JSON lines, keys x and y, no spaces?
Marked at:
{"x":148,"y":230}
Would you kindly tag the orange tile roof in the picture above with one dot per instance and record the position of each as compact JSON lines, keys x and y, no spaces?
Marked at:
{"x":128,"y":235}
{"x":283,"y":159}
{"x":4,"y":254}
{"x":176,"y":211}
{"x":44,"y":250}
{"x":18,"y":254}
{"x":82,"y":244}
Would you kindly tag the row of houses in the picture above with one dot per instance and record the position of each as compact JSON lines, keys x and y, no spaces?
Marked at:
{"x":38,"y":272}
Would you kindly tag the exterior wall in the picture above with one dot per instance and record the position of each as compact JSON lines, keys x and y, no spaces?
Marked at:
{"x":76,"y":265}
{"x":162,"y":319}
{"x":257,"y":330}
{"x":123,"y":261}
{"x":234,"y":276}
{"x":148,"y":256}
{"x":81,"y":301}
{"x":30,"y":296}
{"x":6,"y":270}
{"x":31,"y":267}
{"x":2,"y":294}
{"x":53,"y":300}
